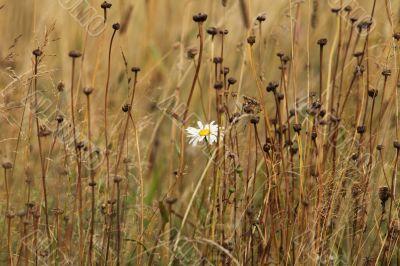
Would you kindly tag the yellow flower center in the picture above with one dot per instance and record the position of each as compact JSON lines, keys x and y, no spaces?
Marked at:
{"x":204,"y":132}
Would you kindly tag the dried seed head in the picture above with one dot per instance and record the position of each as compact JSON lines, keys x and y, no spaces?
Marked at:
{"x":135,"y":69}
{"x":359,"y":70}
{"x":313,"y":135}
{"x":372,"y":93}
{"x":218,"y":85}
{"x":92,"y":183}
{"x":396,"y":36}
{"x":379,"y":147}
{"x":255,"y":119}
{"x":200,"y":18}
{"x":44,"y":131}
{"x":336,"y":10}
{"x":322,"y":42}
{"x":21,"y":213}
{"x":267,"y":147}
{"x":106,"y":5}
{"x":361,"y":129}
{"x":272,"y":86}
{"x":223,"y":32}
{"x":59,"y":118}
{"x":285,"y":59}
{"x":191,"y":53}
{"x":280,"y":96}
{"x":364,"y":25}
{"x":31,"y":204}
{"x":7,"y":165}
{"x":384,"y":194}
{"x":116,"y":26}
{"x":294,"y":150}
{"x":348,"y":8}
{"x":117,"y":179}
{"x":353,"y":20}
{"x":88,"y":91}
{"x":10,"y":214}
{"x":37,"y":52}
{"x":251,"y":40}
{"x":60,"y":86}
{"x":126,"y":107}
{"x":297,"y":128}
{"x":386,"y":72}
{"x":80,"y":145}
{"x":231,"y":81}
{"x":212,"y":31}
{"x":358,"y":54}
{"x":396,"y":145}
{"x":74,"y":54}
{"x":261,"y":17}
{"x":225,"y":71}
{"x":280,"y":55}
{"x":171,"y":200}
{"x":217,"y":60}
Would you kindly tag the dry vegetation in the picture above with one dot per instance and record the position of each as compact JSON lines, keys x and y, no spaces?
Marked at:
{"x":98,"y":169}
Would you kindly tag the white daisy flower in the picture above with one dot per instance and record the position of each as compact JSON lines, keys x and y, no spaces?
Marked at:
{"x":207,"y":132}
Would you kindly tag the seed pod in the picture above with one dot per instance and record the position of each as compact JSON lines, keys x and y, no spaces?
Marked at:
{"x":171,"y":200}
{"x":200,"y":18}
{"x":59,"y":118}
{"x":74,"y":54}
{"x":313,"y":135}
{"x":217,"y":60}
{"x":348,"y":8}
{"x":255,"y":119}
{"x":384,"y":194}
{"x":60,"y":86}
{"x":396,"y":145}
{"x":126,"y":107}
{"x":212,"y":31}
{"x":7,"y":165}
{"x":386,"y":72}
{"x":361,"y":129}
{"x":117,"y":179}
{"x":105,"y":5}
{"x":272,"y":86}
{"x":135,"y":69}
{"x":37,"y":52}
{"x":87,"y":91}
{"x":322,"y":42}
{"x":191,"y":53}
{"x":297,"y":128}
{"x":218,"y":85}
{"x":261,"y":18}
{"x":116,"y":26}
{"x":372,"y":93}
{"x":231,"y":81}
{"x":251,"y":40}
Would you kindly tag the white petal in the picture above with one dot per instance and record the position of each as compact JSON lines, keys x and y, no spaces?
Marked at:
{"x":200,"y":124}
{"x":192,"y":131}
{"x":213,"y":139}
{"x":194,"y":143}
